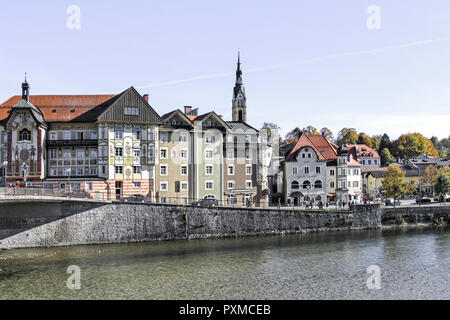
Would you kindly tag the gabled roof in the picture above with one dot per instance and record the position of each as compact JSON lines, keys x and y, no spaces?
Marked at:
{"x":321,"y":145}
{"x":179,"y":113}
{"x":57,"y":108}
{"x":26,"y":105}
{"x":241,"y":126}
{"x":111,"y":110}
{"x":205,"y":116}
{"x":363,"y":150}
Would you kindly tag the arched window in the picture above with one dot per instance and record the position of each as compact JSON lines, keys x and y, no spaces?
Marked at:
{"x":25,"y":135}
{"x":318,"y":184}
{"x":306,"y":184}
{"x":295,"y":185}
{"x":241,"y":116}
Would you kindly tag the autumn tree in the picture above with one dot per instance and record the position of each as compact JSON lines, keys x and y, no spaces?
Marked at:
{"x":394,"y":184}
{"x":327,"y":133}
{"x":412,"y":145}
{"x":365,"y":139}
{"x":311,"y":131}
{"x":430,"y":175}
{"x":347,"y":136}
{"x":293,"y":136}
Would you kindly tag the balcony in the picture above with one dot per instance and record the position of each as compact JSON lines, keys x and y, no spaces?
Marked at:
{"x":59,"y":143}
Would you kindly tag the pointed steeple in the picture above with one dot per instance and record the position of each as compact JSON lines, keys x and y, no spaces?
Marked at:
{"x":239,"y":71}
{"x":239,"y":98}
{"x":25,"y":89}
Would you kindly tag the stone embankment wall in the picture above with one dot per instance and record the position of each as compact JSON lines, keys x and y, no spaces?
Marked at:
{"x":35,"y":223}
{"x":436,"y":215}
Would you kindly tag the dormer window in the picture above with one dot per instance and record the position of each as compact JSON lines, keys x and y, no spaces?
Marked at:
{"x":25,"y":135}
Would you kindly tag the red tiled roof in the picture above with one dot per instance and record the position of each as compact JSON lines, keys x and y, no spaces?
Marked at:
{"x":363,"y":149}
{"x":321,"y":145}
{"x":58,"y":108}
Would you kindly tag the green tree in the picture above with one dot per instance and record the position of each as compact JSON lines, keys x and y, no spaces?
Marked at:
{"x":394,"y":184}
{"x":442,"y":186}
{"x":311,"y":131}
{"x":386,"y":157}
{"x":385,"y":142}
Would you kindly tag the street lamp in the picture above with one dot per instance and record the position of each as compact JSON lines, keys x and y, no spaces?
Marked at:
{"x":5,"y":165}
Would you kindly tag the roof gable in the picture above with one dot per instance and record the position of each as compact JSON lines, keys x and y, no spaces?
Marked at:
{"x":321,"y":145}
{"x":113,"y":110}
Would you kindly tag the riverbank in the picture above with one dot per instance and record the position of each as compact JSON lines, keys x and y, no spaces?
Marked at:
{"x":37,"y":223}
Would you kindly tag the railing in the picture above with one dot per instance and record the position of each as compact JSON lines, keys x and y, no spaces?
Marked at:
{"x":75,"y":142}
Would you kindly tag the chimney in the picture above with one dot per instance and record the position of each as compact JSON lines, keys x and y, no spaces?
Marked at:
{"x":187,"y":109}
{"x":146,"y":97}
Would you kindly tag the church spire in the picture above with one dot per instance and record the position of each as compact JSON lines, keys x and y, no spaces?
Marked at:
{"x":239,"y":98}
{"x":25,"y":89}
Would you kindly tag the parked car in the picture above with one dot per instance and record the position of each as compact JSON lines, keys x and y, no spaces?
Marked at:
{"x":423,"y":200}
{"x":206,"y":203}
{"x":390,"y":202}
{"x":442,"y":199}
{"x":136,"y":198}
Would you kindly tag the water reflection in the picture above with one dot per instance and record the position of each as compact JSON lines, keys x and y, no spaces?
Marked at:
{"x":414,"y":264}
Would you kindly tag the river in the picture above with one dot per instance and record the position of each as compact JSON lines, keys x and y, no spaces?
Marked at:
{"x":414,"y":264}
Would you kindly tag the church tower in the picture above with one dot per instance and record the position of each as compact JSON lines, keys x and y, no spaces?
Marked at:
{"x":239,"y":98}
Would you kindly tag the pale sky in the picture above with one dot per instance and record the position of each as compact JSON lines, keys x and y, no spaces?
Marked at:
{"x":304,"y":62}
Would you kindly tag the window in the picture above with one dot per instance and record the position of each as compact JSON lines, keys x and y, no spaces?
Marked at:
{"x":53,"y":153}
{"x":137,"y":152}
{"x":317,"y":169}
{"x":103,"y":169}
{"x":295,"y":185}
{"x":88,"y":186}
{"x":318,"y":184}
{"x":131,"y":111}
{"x":184,"y":186}
{"x":331,"y":172}
{"x":118,"y":169}
{"x":370,"y":162}
{"x":53,"y":136}
{"x":25,"y":135}
{"x":93,"y":171}
{"x":93,"y":153}
{"x":164,"y":186}
{"x":184,"y":170}
{"x":163,"y":153}
{"x":306,"y":170}
{"x":294,"y":170}
{"x":80,"y":135}
{"x":208,"y":154}
{"x":232,"y":200}
{"x":136,"y":169}
{"x":309,"y":155}
{"x":248,"y":170}
{"x":248,"y":139}
{"x":163,"y":170}
{"x":248,"y":184}
{"x":151,"y":136}
{"x":103,"y":151}
{"x":80,"y":153}
{"x":231,"y":170}
{"x":356,"y":172}
{"x":119,"y":152}
{"x":137,"y":184}
{"x":66,"y":153}
{"x":66,"y":135}
{"x":303,"y":155}
{"x":93,"y":135}
{"x":103,"y":134}
{"x":209,"y":170}
{"x":230,"y":185}
{"x":151,"y":151}
{"x":306,"y":184}
{"x":182,"y":137}
{"x":118,"y":134}
{"x":209,"y":185}
{"x":75,"y":186}
{"x":355,"y":184}
{"x":248,"y":155}
{"x":184,"y":153}
{"x":339,"y":184}
{"x":210,"y":139}
{"x":230,"y":154}
{"x":136,"y":134}
{"x":332,"y":184}
{"x":53,"y":172}
{"x":164,"y":137}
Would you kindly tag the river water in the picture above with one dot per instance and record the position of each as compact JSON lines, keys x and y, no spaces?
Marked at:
{"x":414,"y":264}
